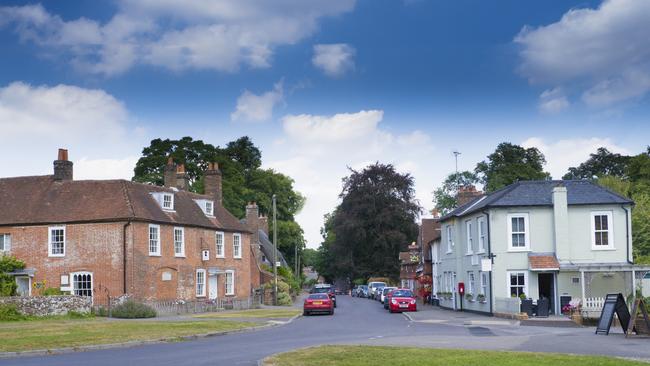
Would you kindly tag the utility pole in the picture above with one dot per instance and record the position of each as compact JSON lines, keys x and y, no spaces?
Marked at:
{"x":456,"y":153}
{"x":275,"y":254}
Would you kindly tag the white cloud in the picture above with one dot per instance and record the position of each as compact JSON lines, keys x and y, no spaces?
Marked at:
{"x":603,"y":52}
{"x":563,"y":154}
{"x":37,"y":120}
{"x":258,"y":108}
{"x":323,"y":147}
{"x":553,"y":101}
{"x":334,"y":59}
{"x":178,"y":35}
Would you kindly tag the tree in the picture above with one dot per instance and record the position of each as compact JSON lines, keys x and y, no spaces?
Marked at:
{"x":375,"y":220}
{"x":602,"y":162}
{"x":9,"y":264}
{"x":309,"y":257}
{"x":511,"y":163}
{"x":445,"y":196}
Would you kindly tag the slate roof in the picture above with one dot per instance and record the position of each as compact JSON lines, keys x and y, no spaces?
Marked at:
{"x":43,"y":200}
{"x":267,"y":248}
{"x":540,"y":193}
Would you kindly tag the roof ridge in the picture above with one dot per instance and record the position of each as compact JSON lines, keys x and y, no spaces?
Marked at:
{"x":127,"y":198}
{"x":606,"y":189}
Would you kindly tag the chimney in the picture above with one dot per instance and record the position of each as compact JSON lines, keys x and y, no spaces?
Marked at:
{"x":212,"y":183}
{"x":253,"y":221}
{"x":63,"y":166}
{"x":561,"y":222}
{"x":466,"y":194}
{"x":170,"y":173}
{"x":182,"y":179}
{"x":264,"y":224}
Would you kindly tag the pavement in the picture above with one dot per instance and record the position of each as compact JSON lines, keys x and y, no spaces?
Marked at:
{"x":365,"y":322}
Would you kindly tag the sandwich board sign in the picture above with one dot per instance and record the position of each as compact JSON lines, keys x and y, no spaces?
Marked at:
{"x":614,"y":303}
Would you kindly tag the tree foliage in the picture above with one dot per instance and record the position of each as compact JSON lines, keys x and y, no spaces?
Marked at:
{"x":511,"y":163}
{"x":375,"y":220}
{"x":445,"y":197}
{"x":601,"y":163}
{"x":9,"y":264}
{"x":243,"y":180}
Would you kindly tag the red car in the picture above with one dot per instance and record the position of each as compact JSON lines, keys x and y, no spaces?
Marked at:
{"x":318,"y":303}
{"x":401,"y":299}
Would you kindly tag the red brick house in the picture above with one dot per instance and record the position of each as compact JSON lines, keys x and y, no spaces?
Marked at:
{"x":114,"y":237}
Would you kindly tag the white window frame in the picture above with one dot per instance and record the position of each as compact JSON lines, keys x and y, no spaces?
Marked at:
{"x":526,"y":233}
{"x":171,"y":201}
{"x":209,"y":208}
{"x":72,"y":282}
{"x":450,"y":238}
{"x":220,"y":253}
{"x":6,"y":242}
{"x":232,"y":285}
{"x":482,"y":234}
{"x":471,"y":281}
{"x":483,"y":277}
{"x":155,"y":253}
{"x":200,"y":291}
{"x":182,"y":242}
{"x":236,"y":249}
{"x":49,"y":241}
{"x":609,"y":231}
{"x":525,"y":286}
{"x":469,"y":241}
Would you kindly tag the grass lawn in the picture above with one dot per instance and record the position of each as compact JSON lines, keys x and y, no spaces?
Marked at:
{"x":403,"y":356}
{"x":255,"y":313}
{"x":59,"y":333}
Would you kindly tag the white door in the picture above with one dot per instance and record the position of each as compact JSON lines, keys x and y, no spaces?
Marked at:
{"x":23,"y":286}
{"x":212,"y":287}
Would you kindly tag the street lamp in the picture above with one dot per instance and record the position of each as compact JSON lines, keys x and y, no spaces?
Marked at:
{"x":275,"y":254}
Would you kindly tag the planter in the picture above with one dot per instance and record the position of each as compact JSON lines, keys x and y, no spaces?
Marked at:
{"x":527,"y":307}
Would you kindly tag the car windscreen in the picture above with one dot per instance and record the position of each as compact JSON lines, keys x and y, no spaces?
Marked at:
{"x":402,"y":293}
{"x":377,"y":284}
{"x":318,"y":296}
{"x":388,"y":289}
{"x":364,"y":287}
{"x":320,"y":290}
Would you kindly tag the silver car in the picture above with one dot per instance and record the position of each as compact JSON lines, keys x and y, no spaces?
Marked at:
{"x":385,"y":292}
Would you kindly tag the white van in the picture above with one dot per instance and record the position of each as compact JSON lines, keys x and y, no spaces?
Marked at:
{"x":372,"y":288}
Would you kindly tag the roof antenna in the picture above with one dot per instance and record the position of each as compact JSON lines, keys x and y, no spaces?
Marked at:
{"x":456,"y":153}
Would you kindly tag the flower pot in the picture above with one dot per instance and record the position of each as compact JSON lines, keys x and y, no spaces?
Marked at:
{"x":527,"y":307}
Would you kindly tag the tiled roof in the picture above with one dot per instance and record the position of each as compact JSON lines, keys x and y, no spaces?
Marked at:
{"x":43,"y":200}
{"x":541,"y":262}
{"x":540,"y":193}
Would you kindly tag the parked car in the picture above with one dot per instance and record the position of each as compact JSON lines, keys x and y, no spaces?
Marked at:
{"x":354,"y":291}
{"x":318,"y":303}
{"x":402,"y":299}
{"x":385,"y":292}
{"x":372,"y":288}
{"x":324,"y":288}
{"x":387,"y":298}
{"x":362,"y":291}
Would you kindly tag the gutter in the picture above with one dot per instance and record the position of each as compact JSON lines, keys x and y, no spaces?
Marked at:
{"x":128,"y":223}
{"x":627,"y":235}
{"x":489,"y":250}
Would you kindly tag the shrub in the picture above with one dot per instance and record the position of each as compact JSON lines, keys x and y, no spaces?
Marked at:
{"x":8,"y":284}
{"x":100,"y":311}
{"x":133,"y":310}
{"x":284,"y":299}
{"x":53,"y":291}
{"x":9,"y":312}
{"x":79,"y":315}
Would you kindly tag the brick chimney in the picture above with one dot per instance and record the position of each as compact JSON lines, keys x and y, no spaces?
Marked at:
{"x":63,"y":166}
{"x":212,"y":183}
{"x":170,"y":173}
{"x":182,"y":179}
{"x":264,"y":224}
{"x":466,"y":194}
{"x":253,"y":220}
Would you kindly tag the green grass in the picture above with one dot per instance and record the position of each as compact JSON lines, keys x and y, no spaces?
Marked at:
{"x":256,"y":313}
{"x":403,"y":356}
{"x":59,"y":333}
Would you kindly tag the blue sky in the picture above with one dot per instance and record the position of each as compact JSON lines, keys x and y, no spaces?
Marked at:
{"x":322,"y":85}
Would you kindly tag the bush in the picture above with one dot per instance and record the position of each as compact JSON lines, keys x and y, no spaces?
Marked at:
{"x":8,"y":284}
{"x":9,"y":312}
{"x":284,"y":299}
{"x":133,"y":310}
{"x":53,"y":291}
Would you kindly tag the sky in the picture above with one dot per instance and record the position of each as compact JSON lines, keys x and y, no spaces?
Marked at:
{"x":322,"y":86}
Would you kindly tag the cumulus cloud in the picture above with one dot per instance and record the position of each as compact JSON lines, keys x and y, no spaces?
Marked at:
{"x":563,"y":154}
{"x":553,"y":101}
{"x":37,"y":120}
{"x":603,"y":52}
{"x":258,"y":108}
{"x":322,"y":147}
{"x":193,"y":34}
{"x":334,"y":59}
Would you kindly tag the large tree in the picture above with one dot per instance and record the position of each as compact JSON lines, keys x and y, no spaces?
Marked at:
{"x":444,"y":197}
{"x":374,"y":221}
{"x":602,"y":162}
{"x":243,"y":181}
{"x":510,"y":163}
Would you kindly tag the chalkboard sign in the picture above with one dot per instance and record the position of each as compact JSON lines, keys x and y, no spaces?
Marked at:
{"x":614,"y":303}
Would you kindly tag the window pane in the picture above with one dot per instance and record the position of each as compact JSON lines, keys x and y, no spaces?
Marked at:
{"x":597,"y":224}
{"x":513,"y":280}
{"x":603,"y":222}
{"x":605,"y":238}
{"x":598,"y":238}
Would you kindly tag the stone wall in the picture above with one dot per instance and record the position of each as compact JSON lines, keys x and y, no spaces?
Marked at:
{"x":49,"y":305}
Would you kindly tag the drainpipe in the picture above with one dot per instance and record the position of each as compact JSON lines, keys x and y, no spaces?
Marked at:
{"x":489,"y":249}
{"x":627,"y":235}
{"x":128,"y":223}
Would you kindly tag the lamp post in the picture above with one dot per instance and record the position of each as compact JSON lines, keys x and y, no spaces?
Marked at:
{"x":275,"y":254}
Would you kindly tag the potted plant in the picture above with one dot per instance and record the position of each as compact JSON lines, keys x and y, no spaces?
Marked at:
{"x":469,"y":297}
{"x":481,"y":298}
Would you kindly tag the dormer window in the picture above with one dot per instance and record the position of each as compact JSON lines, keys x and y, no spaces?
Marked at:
{"x":168,"y":201}
{"x":209,"y":208}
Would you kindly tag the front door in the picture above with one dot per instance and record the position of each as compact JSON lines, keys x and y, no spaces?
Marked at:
{"x":546,"y":284}
{"x":23,"y":286}
{"x":212,"y":287}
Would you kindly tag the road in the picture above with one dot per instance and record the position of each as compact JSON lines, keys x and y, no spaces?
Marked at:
{"x":356,"y":321}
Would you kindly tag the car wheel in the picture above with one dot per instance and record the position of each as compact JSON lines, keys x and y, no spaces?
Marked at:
{"x":305,"y":313}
